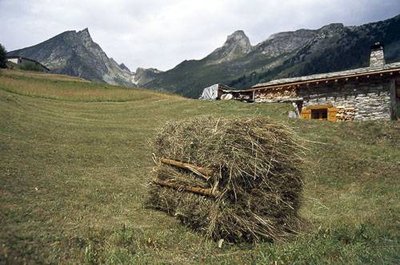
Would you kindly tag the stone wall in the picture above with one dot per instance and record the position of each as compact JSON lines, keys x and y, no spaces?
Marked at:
{"x":368,"y":101}
{"x":345,"y":114}
{"x":277,"y":94}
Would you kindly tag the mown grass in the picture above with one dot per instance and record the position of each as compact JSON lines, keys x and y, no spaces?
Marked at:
{"x":75,"y":160}
{"x":70,"y":88}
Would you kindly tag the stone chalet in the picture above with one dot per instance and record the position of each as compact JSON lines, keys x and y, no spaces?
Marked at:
{"x":369,"y":93}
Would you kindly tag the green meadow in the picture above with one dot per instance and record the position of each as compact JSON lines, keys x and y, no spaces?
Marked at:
{"x":75,"y":160}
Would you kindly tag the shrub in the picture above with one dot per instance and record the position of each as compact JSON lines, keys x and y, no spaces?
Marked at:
{"x":31,"y":66}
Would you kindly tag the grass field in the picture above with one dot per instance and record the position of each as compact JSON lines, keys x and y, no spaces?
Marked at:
{"x":75,"y":159}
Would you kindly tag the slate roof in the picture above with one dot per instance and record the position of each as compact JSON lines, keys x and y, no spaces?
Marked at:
{"x":387,"y":68}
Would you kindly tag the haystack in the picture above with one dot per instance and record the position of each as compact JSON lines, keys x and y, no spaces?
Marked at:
{"x":232,"y":179}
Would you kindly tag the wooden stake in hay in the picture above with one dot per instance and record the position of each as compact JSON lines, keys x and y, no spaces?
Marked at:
{"x":233,"y":179}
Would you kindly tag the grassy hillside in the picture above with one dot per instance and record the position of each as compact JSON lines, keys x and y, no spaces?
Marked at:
{"x":75,"y":160}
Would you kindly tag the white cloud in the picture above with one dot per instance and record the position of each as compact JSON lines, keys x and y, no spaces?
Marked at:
{"x":161,"y":33}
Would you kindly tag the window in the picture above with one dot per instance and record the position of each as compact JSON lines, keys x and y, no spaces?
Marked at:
{"x":319,"y":114}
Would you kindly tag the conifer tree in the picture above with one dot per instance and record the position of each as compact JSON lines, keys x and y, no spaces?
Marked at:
{"x":3,"y":59}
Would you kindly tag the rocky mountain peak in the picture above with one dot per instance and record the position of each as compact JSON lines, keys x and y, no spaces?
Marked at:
{"x":84,"y":36}
{"x":238,"y":41}
{"x":236,"y":45}
{"x":75,"y":53}
{"x":84,"y":33}
{"x":238,"y":35}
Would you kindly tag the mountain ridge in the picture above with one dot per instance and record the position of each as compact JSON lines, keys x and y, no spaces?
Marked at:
{"x":333,"y":47}
{"x":237,"y":62}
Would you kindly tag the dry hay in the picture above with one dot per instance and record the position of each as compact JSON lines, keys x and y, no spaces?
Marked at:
{"x":254,"y":191}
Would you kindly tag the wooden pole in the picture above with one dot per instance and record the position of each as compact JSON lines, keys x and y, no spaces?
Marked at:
{"x":200,"y":171}
{"x":197,"y":190}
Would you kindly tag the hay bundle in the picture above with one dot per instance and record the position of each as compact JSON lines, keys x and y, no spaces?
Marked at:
{"x":233,"y":179}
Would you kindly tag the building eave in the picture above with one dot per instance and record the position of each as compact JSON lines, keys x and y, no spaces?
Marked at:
{"x":367,"y":72}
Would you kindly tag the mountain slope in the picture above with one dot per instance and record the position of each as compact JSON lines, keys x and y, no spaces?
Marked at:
{"x":75,"y":53}
{"x":331,"y":48}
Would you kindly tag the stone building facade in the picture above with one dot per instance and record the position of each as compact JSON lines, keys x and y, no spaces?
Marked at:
{"x":353,"y":100}
{"x":370,"y":93}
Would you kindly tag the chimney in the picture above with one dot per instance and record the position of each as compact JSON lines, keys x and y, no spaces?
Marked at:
{"x":377,"y":58}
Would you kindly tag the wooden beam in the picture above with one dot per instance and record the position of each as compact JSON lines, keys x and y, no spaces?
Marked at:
{"x":200,"y":171}
{"x":197,"y":190}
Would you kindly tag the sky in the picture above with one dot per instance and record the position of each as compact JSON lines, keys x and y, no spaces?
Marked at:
{"x":162,"y":33}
